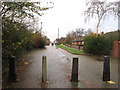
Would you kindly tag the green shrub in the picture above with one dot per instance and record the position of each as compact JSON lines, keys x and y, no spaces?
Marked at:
{"x":15,"y":38}
{"x":112,"y":36}
{"x":38,"y":40}
{"x":96,"y":45}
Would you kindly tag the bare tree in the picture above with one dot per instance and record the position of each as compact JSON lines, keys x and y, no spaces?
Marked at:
{"x":100,"y":10}
{"x":88,"y":31}
{"x":68,"y":38}
{"x":74,"y":34}
{"x":79,"y":32}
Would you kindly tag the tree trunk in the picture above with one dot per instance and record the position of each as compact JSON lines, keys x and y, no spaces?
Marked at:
{"x":98,"y":26}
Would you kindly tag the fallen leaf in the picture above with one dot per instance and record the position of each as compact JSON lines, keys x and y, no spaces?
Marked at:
{"x":110,"y":82}
{"x":26,"y":62}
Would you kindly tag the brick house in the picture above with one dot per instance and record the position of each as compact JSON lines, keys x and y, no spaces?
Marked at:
{"x":78,"y":43}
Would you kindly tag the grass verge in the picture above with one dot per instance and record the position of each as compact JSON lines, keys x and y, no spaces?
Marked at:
{"x":71,"y":50}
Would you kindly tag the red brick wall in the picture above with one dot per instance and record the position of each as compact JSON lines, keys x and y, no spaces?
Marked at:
{"x":116,"y":49}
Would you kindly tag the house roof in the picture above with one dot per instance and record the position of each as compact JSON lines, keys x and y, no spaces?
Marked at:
{"x":78,"y":40}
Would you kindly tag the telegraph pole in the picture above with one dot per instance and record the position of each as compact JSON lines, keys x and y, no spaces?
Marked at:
{"x":58,"y":33}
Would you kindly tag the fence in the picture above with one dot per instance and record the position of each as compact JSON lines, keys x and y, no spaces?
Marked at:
{"x":116,"y":49}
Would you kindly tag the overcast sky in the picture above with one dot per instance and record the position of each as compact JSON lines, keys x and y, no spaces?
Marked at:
{"x":67,"y":16}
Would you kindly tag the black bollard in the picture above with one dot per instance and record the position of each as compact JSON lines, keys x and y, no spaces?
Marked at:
{"x":74,"y":77}
{"x":106,"y":69}
{"x":12,"y":70}
{"x":44,"y":69}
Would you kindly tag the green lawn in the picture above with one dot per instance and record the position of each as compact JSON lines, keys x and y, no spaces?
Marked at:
{"x":74,"y":51}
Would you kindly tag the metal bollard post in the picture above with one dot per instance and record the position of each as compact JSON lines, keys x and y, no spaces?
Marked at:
{"x":74,"y":77}
{"x":12,"y":70}
{"x":106,"y":69}
{"x":44,"y":69}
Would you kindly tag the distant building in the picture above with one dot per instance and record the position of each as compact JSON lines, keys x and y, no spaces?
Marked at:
{"x":78,"y":41}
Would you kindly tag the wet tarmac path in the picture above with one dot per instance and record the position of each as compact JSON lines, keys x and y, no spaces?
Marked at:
{"x":59,"y":67}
